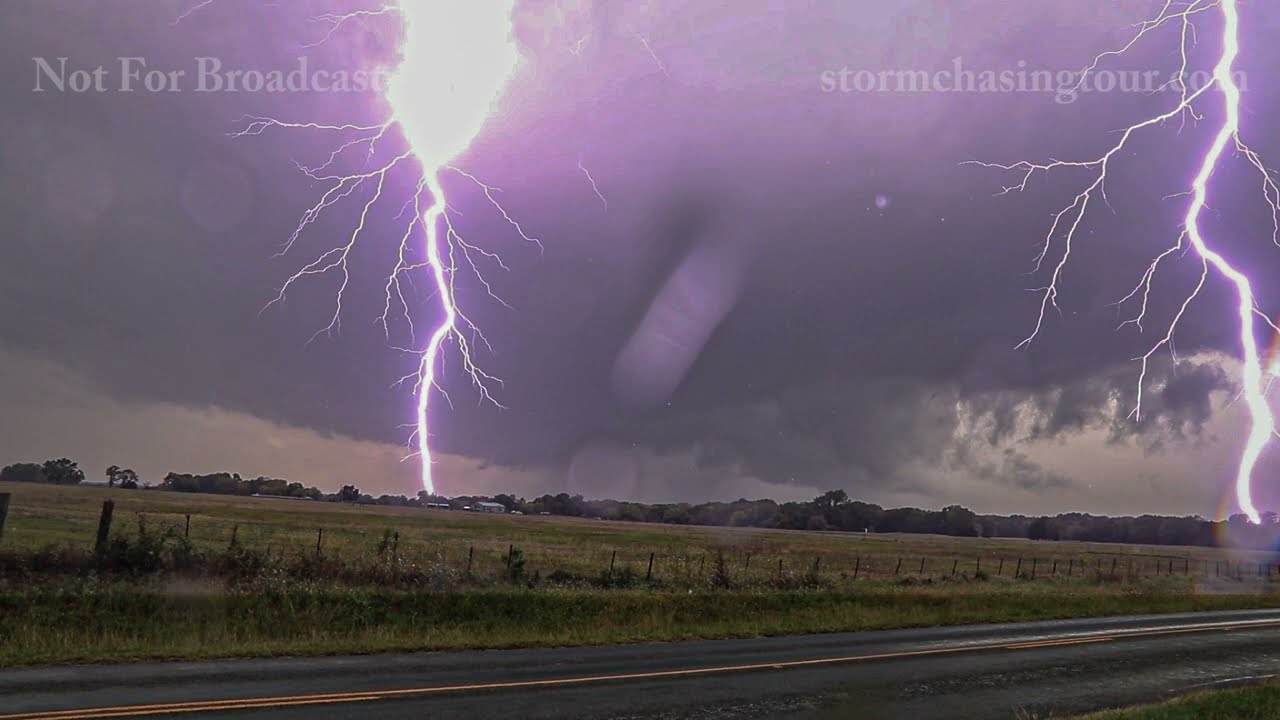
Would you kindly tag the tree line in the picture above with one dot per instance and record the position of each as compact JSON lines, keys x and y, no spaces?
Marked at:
{"x":831,"y":511}
{"x":67,"y":472}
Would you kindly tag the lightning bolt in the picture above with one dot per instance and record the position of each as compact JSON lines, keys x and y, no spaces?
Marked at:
{"x":594,"y":188}
{"x":191,"y":11}
{"x":1067,"y":222}
{"x":649,"y":49}
{"x":438,"y":112}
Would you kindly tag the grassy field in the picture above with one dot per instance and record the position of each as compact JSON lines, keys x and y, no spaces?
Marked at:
{"x":389,"y":579}
{"x":42,"y":515}
{"x":1251,"y":703}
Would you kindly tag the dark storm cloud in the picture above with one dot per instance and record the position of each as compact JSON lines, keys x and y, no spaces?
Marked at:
{"x":878,"y":432}
{"x":139,"y":237}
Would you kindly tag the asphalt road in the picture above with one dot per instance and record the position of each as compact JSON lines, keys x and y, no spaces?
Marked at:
{"x":1030,"y":670}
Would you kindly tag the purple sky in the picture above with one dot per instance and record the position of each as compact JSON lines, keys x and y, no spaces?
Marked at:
{"x":745,"y":319}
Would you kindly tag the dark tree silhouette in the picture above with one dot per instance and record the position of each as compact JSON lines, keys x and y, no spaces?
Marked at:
{"x":1043,"y":528}
{"x":62,"y":472}
{"x":126,"y":478}
{"x":22,"y":472}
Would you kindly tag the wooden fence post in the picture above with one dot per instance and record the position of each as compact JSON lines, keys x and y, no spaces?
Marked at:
{"x":319,"y":539}
{"x":779,"y":569}
{"x":471,"y":553}
{"x":104,"y":525}
{"x":748,"y":564}
{"x":1034,"y":562}
{"x":4,"y":511}
{"x":234,"y":529}
{"x":1017,"y":572}
{"x":978,"y":566}
{"x":857,"y":565}
{"x":649,"y":573}
{"x":186,"y":532}
{"x":1054,"y":571}
{"x":954,"y":564}
{"x":899,"y":567}
{"x":612,"y":558}
{"x":1113,"y":566}
{"x":1071,"y":567}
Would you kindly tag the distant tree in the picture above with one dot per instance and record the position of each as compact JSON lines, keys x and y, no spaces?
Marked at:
{"x":831,"y":499}
{"x":858,"y":516}
{"x":960,"y":521}
{"x":349,"y":494}
{"x":269,"y":486}
{"x":22,"y":472}
{"x":62,"y":472}
{"x":676,"y":514}
{"x":1043,"y":528}
{"x":792,"y":516}
{"x":904,"y":520}
{"x":124,"y":477}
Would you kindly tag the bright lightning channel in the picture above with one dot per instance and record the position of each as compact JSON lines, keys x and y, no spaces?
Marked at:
{"x":1067,"y":221}
{"x":456,"y":60}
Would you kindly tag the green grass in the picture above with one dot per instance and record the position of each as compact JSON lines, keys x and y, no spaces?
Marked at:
{"x":1250,"y":703}
{"x":96,"y":623}
{"x":404,"y":579}
{"x":42,"y":515}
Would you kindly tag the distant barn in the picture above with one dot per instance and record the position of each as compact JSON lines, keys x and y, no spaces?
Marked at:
{"x":492,"y":507}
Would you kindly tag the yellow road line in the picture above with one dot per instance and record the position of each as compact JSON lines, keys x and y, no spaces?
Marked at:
{"x":350,"y":697}
{"x":1054,"y":643}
